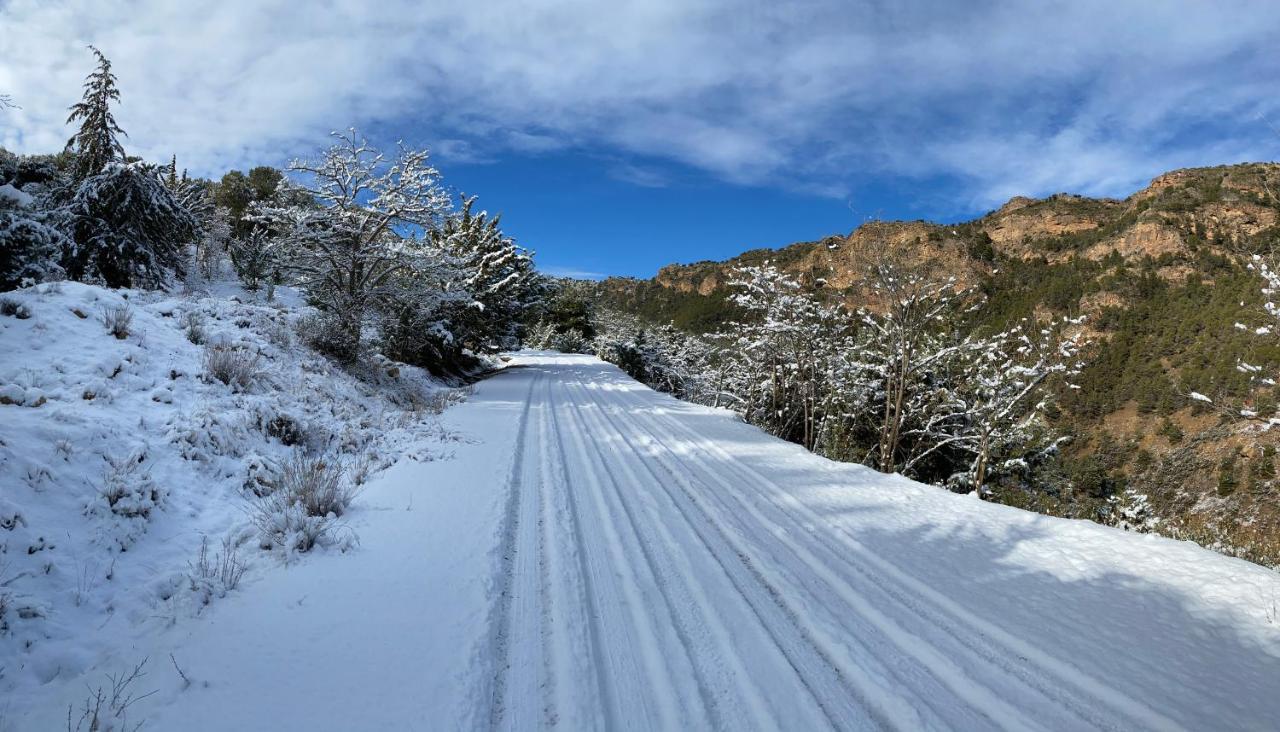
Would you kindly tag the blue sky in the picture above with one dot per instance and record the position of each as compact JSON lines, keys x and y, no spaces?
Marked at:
{"x":616,"y":137}
{"x":593,"y":220}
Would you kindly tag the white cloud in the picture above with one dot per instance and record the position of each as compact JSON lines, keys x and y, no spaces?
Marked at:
{"x":1009,"y":97}
{"x":571,"y":272}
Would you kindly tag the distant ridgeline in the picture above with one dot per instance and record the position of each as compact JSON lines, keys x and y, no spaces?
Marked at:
{"x":1171,"y":308}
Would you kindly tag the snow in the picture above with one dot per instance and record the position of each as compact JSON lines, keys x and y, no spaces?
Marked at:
{"x":16,"y":195}
{"x":119,"y":456}
{"x":595,"y":554}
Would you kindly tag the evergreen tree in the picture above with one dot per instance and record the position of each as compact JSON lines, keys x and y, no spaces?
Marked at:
{"x":96,"y":144}
{"x":498,"y":274}
{"x":128,"y":229}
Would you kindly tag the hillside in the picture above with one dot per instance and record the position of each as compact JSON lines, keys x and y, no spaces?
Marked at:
{"x":1158,"y":276}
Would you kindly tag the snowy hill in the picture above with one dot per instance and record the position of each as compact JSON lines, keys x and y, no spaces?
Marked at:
{"x":599,"y":555}
{"x":122,"y":454}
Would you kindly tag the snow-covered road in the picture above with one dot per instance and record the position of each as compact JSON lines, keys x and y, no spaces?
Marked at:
{"x":600,"y":556}
{"x":667,"y":568}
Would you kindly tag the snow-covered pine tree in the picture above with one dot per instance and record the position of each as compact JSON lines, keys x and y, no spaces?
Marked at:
{"x":95,"y":143}
{"x":31,"y":244}
{"x":128,"y":230}
{"x":364,"y":232}
{"x":498,"y":275}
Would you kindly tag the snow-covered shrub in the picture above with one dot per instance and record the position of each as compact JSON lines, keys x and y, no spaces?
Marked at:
{"x":31,"y":246}
{"x":571,"y":341}
{"x":310,"y":494}
{"x":104,"y":708}
{"x":286,"y":429}
{"x":206,"y":434}
{"x":541,"y":335}
{"x":193,"y":324}
{"x":128,"y":229}
{"x":215,"y":576}
{"x":118,"y":320}
{"x":14,"y":309}
{"x":1131,"y":511}
{"x":235,"y":366}
{"x":254,"y":258}
{"x":126,"y":499}
{"x":326,"y":335}
{"x":128,"y":488}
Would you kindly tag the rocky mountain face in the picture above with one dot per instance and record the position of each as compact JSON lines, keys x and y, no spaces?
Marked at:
{"x":1159,"y":276}
{"x":1224,"y":207}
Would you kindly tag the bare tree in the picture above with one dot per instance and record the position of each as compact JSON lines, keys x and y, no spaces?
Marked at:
{"x":362,"y":231}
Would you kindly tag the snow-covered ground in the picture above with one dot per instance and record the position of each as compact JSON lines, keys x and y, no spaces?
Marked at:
{"x":597,"y":555}
{"x":121,"y":456}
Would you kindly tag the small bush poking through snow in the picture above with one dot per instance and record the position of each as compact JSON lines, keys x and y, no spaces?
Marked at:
{"x":104,"y":708}
{"x":14,"y":309}
{"x":118,"y":320}
{"x":128,"y":489}
{"x":310,"y":494}
{"x":285,"y":429}
{"x":126,"y":499}
{"x":215,"y":576}
{"x":232,"y":365}
{"x":324,"y":334}
{"x":193,"y":323}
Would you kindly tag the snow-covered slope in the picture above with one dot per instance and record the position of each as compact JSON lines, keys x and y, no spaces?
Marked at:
{"x":121,"y":456}
{"x":598,"y":555}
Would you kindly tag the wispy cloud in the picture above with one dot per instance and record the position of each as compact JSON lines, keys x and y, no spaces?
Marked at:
{"x":638,"y":175}
{"x":1002,"y":95}
{"x":572,"y":273}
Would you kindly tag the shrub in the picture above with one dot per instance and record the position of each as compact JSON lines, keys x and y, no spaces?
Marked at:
{"x":253,"y":258}
{"x":327,"y":335}
{"x":285,"y":429}
{"x":30,"y":246}
{"x":118,"y":320}
{"x":310,"y":494}
{"x":104,"y":708}
{"x":129,"y":230}
{"x":571,"y":341}
{"x":14,"y":309}
{"x":217,"y":575}
{"x":128,"y":488}
{"x":234,"y":366}
{"x":193,"y":323}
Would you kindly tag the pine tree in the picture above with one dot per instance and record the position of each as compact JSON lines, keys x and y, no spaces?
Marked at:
{"x":96,"y":144}
{"x":498,"y":274}
{"x":128,"y":229}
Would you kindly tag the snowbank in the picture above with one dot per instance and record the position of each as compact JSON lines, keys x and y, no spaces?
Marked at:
{"x":121,"y":454}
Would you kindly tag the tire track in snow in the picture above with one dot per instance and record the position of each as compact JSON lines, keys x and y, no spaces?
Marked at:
{"x":881,"y":644}
{"x":618,"y":611}
{"x":701,"y":635}
{"x":502,"y":621}
{"x":991,"y":644}
{"x":849,"y":697}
